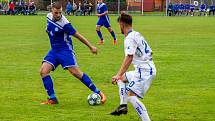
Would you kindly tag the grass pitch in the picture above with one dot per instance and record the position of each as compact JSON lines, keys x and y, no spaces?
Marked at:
{"x":184,"y":49}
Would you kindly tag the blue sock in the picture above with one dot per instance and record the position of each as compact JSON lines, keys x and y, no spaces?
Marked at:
{"x":48,"y":84}
{"x":99,"y":34}
{"x":87,"y":81}
{"x":113,"y":35}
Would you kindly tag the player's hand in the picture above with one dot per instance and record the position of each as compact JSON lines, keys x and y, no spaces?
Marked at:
{"x":93,"y":50}
{"x":98,"y":15}
{"x":115,"y":79}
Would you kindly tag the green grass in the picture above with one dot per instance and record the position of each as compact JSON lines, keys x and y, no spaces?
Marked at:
{"x":184,"y":49}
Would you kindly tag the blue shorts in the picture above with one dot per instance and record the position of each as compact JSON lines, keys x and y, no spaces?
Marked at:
{"x":103,"y":22}
{"x":66,"y":58}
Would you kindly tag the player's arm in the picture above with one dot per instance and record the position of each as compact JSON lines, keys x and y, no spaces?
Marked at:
{"x":86,"y":42}
{"x":68,"y":28}
{"x":124,"y":67}
{"x":102,"y":14}
{"x":130,"y":49}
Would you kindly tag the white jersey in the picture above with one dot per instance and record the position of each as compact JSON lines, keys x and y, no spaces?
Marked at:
{"x":135,"y":44}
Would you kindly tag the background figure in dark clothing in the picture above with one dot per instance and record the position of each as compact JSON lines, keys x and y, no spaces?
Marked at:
{"x":90,"y":9}
{"x":32,"y":9}
{"x":74,"y":8}
{"x":85,"y":10}
{"x":5,"y":7}
{"x":79,"y":9}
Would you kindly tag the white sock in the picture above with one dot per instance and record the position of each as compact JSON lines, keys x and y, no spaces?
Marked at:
{"x":139,"y":107}
{"x":122,"y":92}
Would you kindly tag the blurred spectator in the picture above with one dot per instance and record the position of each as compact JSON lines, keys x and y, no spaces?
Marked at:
{"x":74,"y":8}
{"x":90,"y":9}
{"x":11,"y":8}
{"x":22,"y":9}
{"x":25,"y":8}
{"x":202,"y":9}
{"x":187,"y":9}
{"x":79,"y":10}
{"x":85,"y":9}
{"x":1,"y":9}
{"x":212,"y":10}
{"x":176,"y":9}
{"x":17,"y":8}
{"x":181,"y":9}
{"x":192,"y":8}
{"x":49,"y":7}
{"x":68,"y":8}
{"x":5,"y":7}
{"x":170,"y":10}
{"x":32,"y":9}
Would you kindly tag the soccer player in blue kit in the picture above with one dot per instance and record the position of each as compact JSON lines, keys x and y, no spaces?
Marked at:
{"x":59,"y":30}
{"x":102,"y":13}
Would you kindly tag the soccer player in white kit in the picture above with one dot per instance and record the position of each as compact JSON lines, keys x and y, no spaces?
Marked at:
{"x":134,"y":84}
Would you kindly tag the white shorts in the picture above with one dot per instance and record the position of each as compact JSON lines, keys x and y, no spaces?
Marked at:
{"x":139,"y":81}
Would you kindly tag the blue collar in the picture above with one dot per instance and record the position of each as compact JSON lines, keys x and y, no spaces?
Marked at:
{"x":100,"y":3}
{"x":129,"y":31}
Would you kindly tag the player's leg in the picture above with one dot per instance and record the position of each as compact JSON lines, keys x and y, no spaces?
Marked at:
{"x":68,"y":61}
{"x":112,"y":34}
{"x":85,"y":79}
{"x":98,"y":26}
{"x":138,"y":106}
{"x":138,"y":88}
{"x":49,"y":64}
{"x":108,"y":26}
{"x":122,"y":84}
{"x":48,"y":83}
{"x":122,"y":91}
{"x":122,"y":108}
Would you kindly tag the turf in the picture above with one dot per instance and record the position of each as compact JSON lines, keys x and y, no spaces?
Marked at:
{"x":183,"y":51}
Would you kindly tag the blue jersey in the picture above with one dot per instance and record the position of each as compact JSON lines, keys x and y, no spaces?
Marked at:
{"x":187,"y":6}
{"x":59,"y":33}
{"x":101,"y":8}
{"x":203,"y":7}
{"x":176,"y":7}
{"x":182,"y":7}
{"x":192,"y":7}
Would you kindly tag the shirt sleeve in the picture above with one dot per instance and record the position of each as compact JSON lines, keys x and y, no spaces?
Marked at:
{"x":68,"y":28}
{"x":130,"y":46}
{"x":105,"y":8}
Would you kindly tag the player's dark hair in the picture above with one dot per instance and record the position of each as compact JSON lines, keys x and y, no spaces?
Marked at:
{"x":56,"y":5}
{"x":125,"y":18}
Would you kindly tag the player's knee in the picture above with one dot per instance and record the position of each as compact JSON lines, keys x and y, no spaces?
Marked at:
{"x":131,"y":93}
{"x":43,"y":72}
{"x":97,"y":29}
{"x":110,"y":30}
{"x":76,"y":73}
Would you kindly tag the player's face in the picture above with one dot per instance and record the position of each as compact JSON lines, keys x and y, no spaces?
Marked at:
{"x":99,"y":1}
{"x":56,"y":13}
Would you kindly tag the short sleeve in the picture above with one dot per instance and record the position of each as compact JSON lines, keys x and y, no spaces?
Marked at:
{"x":68,"y":28}
{"x":130,"y":46}
{"x":105,"y":7}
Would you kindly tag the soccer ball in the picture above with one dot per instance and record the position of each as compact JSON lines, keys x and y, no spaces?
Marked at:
{"x":94,"y":99}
